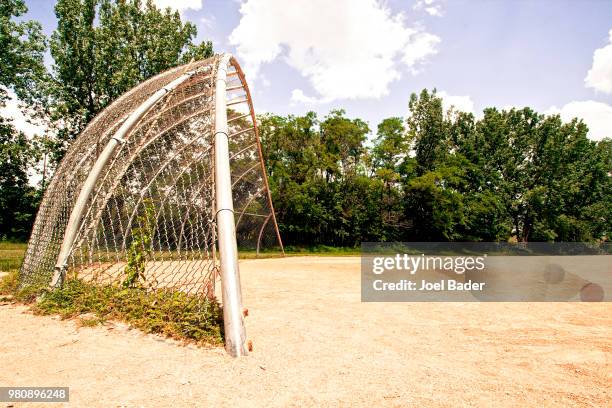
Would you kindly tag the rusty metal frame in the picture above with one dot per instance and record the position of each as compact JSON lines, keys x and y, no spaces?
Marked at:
{"x":249,"y":100}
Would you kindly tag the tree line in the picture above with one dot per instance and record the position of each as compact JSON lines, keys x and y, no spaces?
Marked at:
{"x":431,"y":176}
{"x":512,"y":175}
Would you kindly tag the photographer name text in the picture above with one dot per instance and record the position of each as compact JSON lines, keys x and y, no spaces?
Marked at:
{"x":426,"y":286}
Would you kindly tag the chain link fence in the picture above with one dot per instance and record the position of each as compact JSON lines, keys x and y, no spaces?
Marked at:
{"x":150,"y":220}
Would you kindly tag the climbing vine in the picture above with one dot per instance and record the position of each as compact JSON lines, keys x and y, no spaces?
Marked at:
{"x":140,"y":247}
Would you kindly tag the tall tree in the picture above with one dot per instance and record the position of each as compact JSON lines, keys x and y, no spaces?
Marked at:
{"x":18,"y":199}
{"x":102,"y":48}
{"x":21,"y":60}
{"x":343,"y":139}
{"x":390,"y":145}
{"x":389,"y":157}
{"x":21,"y":73}
{"x":433,"y":201}
{"x":427,"y":130}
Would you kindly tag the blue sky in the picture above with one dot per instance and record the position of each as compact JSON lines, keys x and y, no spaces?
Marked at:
{"x":367,"y":56}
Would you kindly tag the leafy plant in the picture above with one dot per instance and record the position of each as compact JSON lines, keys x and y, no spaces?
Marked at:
{"x":170,"y":313}
{"x":140,"y":247}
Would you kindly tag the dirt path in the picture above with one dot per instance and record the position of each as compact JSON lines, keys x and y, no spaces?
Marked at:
{"x":316,"y":344}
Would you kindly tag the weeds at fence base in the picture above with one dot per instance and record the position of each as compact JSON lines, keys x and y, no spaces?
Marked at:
{"x":170,"y":313}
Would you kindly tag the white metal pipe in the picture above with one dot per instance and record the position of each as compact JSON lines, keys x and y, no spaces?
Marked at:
{"x":74,"y":222}
{"x":233,"y":319}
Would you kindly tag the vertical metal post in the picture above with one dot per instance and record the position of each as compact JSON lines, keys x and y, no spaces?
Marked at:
{"x":233,"y":319}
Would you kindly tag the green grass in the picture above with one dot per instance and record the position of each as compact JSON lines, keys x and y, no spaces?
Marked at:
{"x":322,"y":250}
{"x":11,"y":256}
{"x":315,"y":250}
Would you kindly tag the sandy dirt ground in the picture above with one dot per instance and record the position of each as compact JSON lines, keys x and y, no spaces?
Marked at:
{"x":316,"y":344}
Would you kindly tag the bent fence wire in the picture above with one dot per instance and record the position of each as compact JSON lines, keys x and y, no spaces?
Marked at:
{"x":151,"y":216}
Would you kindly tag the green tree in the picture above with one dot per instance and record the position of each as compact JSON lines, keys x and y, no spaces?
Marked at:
{"x":390,"y":145}
{"x":317,"y":176}
{"x":427,"y":130}
{"x":484,"y":146}
{"x":103,"y":48}
{"x":21,"y":60}
{"x":18,"y":200}
{"x":389,"y":157}
{"x":513,"y":174}
{"x":433,"y":199}
{"x":22,"y":72}
{"x":343,"y":140}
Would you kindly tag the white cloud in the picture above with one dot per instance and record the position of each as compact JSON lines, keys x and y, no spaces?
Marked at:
{"x":431,"y":7}
{"x":208,"y":21}
{"x":423,"y":45}
{"x":180,"y":5}
{"x":298,"y":96}
{"x":458,"y":102}
{"x":347,"y":49}
{"x":19,"y":120}
{"x":596,"y":115}
{"x":599,"y":76}
{"x":265,"y":81}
